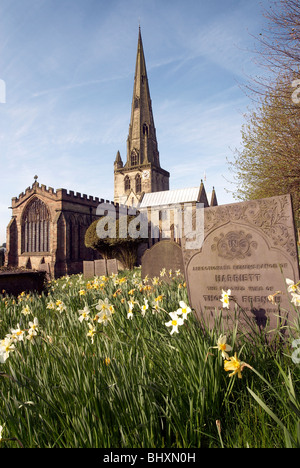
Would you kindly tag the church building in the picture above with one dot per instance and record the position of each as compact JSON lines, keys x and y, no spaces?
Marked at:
{"x":141,"y":172}
{"x":48,"y":226}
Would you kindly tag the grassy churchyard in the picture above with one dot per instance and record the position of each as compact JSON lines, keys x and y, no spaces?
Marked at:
{"x":121,"y":362}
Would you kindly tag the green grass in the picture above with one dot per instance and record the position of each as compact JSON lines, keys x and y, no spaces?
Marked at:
{"x":136,"y":385}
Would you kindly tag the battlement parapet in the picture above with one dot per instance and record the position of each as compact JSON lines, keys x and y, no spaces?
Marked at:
{"x":64,"y":195}
{"x":34,"y":189}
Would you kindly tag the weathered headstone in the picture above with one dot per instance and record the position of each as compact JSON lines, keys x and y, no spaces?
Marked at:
{"x":112,"y":266}
{"x":88,"y":270}
{"x":166,"y":255}
{"x":244,"y":249}
{"x":100,"y":267}
{"x":46,"y":268}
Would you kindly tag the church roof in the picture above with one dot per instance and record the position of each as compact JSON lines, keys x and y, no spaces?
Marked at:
{"x":170,"y":197}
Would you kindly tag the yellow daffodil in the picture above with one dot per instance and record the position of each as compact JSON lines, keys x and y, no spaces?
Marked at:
{"x":155,"y":280}
{"x":235,"y":365}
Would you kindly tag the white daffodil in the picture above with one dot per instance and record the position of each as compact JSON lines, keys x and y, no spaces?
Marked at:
{"x":130,"y":314}
{"x":292,"y":287}
{"x":84,"y":314}
{"x":144,"y":307}
{"x":222,"y":346}
{"x":17,"y":334}
{"x":1,"y":431}
{"x":184,"y":310}
{"x":104,"y":316}
{"x":34,"y":325}
{"x":51,"y":305}
{"x":26,"y":310}
{"x":175,"y":322}
{"x":163,"y":272}
{"x":102,"y":306}
{"x":296,"y":299}
{"x":225,"y":298}
{"x":92,"y":332}
{"x":6,"y":347}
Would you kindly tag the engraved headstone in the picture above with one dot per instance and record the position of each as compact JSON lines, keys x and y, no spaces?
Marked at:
{"x":112,"y":266}
{"x":245,"y":247}
{"x":166,"y":255}
{"x":100,"y":267}
{"x":88,"y":270}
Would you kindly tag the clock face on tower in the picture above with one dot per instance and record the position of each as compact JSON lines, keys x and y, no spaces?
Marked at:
{"x":146,"y":174}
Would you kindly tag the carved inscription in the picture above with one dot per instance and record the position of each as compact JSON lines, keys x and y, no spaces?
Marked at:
{"x":235,"y":244}
{"x":249,"y":248}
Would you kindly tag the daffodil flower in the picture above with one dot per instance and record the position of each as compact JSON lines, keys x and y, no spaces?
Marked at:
{"x":144,"y":307}
{"x":225,"y":298}
{"x":84,"y":314}
{"x":184,"y":310}
{"x":51,"y":305}
{"x":296,"y":299}
{"x":92,"y":332}
{"x":103,"y":305}
{"x":223,"y":346}
{"x":1,"y":431}
{"x":17,"y":334}
{"x":235,"y":365}
{"x":175,"y":322}
{"x":26,"y":310}
{"x":6,"y":347}
{"x":34,"y":325}
{"x":292,"y":287}
{"x":104,"y":317}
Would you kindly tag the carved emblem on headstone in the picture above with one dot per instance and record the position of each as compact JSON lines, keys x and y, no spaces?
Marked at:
{"x":234,"y":245}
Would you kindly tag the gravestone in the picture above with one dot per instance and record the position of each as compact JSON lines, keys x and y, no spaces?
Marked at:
{"x":112,"y":266}
{"x":46,"y":268}
{"x":164,"y":254}
{"x":100,"y":268}
{"x":245,"y":247}
{"x":88,"y":270}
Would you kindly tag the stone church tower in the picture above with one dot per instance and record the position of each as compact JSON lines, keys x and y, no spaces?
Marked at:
{"x":142,"y":172}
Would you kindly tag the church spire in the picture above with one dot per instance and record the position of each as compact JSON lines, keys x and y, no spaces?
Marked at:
{"x":142,"y":145}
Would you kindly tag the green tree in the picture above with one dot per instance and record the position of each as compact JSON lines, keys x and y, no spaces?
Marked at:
{"x":114,"y":245}
{"x":269,"y":162}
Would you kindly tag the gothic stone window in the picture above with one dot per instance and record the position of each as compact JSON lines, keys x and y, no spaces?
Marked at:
{"x":127,"y":183}
{"x":145,"y":130}
{"x":36,"y":227}
{"x":138,"y":183}
{"x":134,"y":160}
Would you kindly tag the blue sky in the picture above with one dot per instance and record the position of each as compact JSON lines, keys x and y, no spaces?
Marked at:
{"x":68,"y":66}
